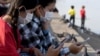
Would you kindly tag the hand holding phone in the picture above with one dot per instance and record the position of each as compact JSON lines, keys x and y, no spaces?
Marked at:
{"x":84,"y":42}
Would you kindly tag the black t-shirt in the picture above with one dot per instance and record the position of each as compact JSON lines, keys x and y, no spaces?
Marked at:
{"x":3,"y":10}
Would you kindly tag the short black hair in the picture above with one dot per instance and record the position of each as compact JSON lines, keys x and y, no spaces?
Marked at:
{"x":83,"y":6}
{"x":72,"y":6}
{"x":45,"y":3}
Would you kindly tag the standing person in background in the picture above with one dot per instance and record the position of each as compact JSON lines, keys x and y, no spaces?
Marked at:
{"x":71,"y":12}
{"x":83,"y":16}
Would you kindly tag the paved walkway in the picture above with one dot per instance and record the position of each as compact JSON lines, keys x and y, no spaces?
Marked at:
{"x":59,"y":27}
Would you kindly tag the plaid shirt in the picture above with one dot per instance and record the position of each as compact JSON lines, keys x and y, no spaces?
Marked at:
{"x":32,"y":35}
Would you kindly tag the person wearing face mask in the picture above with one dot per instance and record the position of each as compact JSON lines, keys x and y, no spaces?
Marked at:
{"x":25,"y":16}
{"x":29,"y":17}
{"x":25,"y":28}
{"x":9,"y":37}
{"x":22,"y":15}
{"x":32,"y":32}
{"x":48,"y":6}
{"x":4,"y":4}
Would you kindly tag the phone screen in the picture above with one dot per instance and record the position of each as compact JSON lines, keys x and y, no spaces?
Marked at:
{"x":85,"y":41}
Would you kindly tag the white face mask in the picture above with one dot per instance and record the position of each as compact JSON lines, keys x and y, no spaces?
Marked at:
{"x":29,"y":17}
{"x":21,"y":20}
{"x":8,"y":5}
{"x":5,"y":5}
{"x":49,"y":15}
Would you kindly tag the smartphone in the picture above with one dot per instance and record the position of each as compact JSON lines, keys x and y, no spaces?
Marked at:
{"x":84,"y":42}
{"x":64,"y":41}
{"x":61,"y":43}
